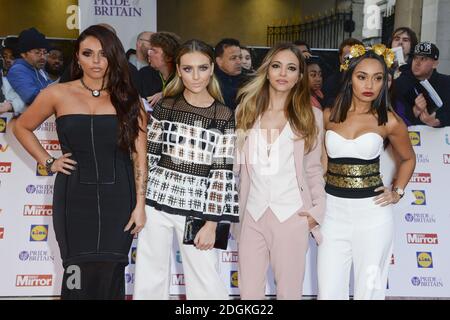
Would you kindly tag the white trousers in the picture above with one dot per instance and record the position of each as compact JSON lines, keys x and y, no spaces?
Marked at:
{"x":153,"y":272}
{"x":355,"y":231}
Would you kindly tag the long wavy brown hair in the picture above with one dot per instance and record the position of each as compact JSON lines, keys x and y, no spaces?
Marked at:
{"x":254,"y":101}
{"x":124,"y":97}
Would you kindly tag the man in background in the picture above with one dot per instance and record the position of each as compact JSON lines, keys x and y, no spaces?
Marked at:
{"x":55,"y":64}
{"x":27,"y":76}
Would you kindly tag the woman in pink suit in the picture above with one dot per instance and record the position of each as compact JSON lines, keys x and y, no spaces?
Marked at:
{"x":282,"y":195}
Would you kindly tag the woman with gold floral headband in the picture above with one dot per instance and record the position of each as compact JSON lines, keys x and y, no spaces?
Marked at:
{"x":358,"y":225}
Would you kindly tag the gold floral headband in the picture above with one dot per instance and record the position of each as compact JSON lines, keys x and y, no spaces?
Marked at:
{"x":359,"y":50}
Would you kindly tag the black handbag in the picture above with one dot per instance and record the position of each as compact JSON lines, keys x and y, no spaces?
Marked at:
{"x":193,"y":225}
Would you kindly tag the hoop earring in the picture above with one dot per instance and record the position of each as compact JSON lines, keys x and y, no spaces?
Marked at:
{"x":79,"y":66}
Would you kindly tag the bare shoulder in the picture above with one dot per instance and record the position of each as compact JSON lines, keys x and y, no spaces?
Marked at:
{"x":57,"y":89}
{"x":395,"y":123}
{"x":60,"y":90}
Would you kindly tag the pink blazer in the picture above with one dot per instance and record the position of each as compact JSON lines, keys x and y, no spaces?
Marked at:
{"x":309,"y":173}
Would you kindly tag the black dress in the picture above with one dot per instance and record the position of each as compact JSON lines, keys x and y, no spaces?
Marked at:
{"x":92,"y":206}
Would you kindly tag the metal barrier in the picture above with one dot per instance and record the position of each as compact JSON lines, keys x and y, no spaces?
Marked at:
{"x":326,"y":32}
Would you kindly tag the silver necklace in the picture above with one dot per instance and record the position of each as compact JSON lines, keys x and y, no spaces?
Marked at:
{"x":95,"y":93}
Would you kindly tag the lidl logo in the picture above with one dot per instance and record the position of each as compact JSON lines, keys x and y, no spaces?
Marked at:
{"x":39,"y":233}
{"x":234,"y":282}
{"x":3,"y":148}
{"x":42,"y":280}
{"x":3,"y":125}
{"x":421,"y":199}
{"x":424,"y":260}
{"x":414,"y":136}
{"x":41,"y":171}
{"x":133,"y":255}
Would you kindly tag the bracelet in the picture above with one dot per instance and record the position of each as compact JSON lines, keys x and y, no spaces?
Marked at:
{"x":48,"y":164}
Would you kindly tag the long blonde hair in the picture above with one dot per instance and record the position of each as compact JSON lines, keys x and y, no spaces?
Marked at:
{"x":176,"y":86}
{"x":254,"y":101}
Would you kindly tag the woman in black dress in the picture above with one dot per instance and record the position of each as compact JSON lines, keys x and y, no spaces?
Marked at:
{"x":99,"y":196}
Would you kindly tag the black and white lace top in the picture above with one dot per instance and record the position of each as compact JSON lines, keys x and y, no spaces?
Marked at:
{"x":190,"y":154}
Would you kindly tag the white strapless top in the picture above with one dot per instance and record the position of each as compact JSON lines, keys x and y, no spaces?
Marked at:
{"x":366,"y":147}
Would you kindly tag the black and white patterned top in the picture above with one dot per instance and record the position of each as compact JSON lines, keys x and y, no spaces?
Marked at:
{"x":190,"y":153}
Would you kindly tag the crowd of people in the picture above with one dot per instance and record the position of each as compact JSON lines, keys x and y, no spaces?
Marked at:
{"x":38,"y":65}
{"x":171,"y":130}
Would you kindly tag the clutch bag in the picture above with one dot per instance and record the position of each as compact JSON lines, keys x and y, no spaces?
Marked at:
{"x":193,"y":225}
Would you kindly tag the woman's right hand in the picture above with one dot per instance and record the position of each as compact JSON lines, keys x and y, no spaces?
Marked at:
{"x":63,"y":164}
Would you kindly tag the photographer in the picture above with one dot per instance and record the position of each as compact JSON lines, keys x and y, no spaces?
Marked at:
{"x":423,"y":107}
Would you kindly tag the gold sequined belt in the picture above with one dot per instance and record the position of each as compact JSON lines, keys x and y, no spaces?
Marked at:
{"x":354,"y":170}
{"x":354,"y":176}
{"x":354,"y":182}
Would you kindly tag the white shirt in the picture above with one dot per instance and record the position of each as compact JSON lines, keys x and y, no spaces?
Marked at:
{"x":273,"y":175}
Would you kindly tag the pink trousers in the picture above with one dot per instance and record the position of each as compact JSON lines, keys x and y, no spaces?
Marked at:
{"x":283,"y":246}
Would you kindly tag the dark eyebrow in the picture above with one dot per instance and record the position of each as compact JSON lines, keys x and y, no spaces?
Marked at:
{"x":375,"y":74}
{"x":91,"y":50}
{"x":289,"y":64}
{"x":197,"y":65}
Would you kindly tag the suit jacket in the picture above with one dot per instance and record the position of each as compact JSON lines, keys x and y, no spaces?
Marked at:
{"x":309,"y":172}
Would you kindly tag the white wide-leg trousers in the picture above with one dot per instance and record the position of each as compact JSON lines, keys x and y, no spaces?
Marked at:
{"x":152,"y":277}
{"x":355,"y":231}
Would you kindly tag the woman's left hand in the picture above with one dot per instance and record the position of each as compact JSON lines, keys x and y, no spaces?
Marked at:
{"x":138,"y":218}
{"x":206,"y":236}
{"x":387,"y":197}
{"x":312,"y":223}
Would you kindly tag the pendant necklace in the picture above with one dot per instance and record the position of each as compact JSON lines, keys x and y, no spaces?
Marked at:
{"x":95,"y":93}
